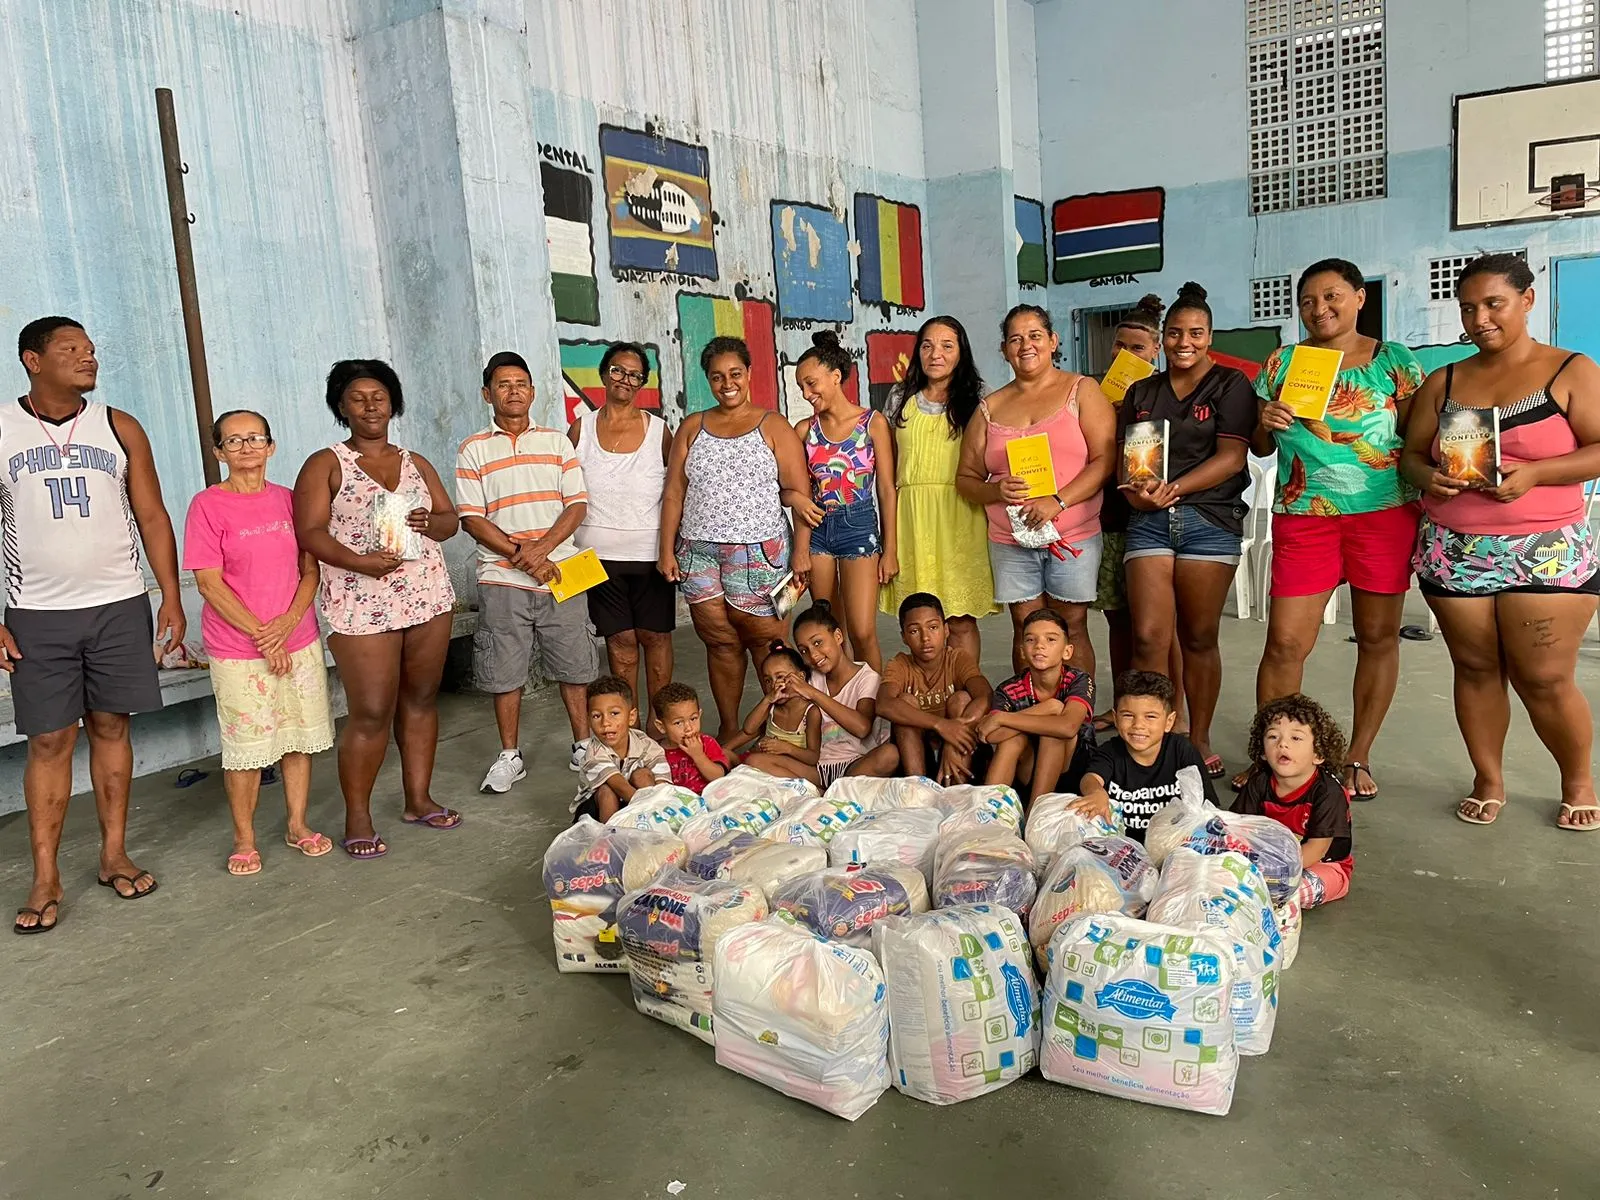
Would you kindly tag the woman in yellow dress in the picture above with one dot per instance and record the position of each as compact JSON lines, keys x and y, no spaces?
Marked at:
{"x":944,"y":541}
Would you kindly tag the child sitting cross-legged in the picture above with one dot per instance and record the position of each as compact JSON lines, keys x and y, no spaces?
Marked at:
{"x":1136,"y":773}
{"x":854,"y":741}
{"x":928,"y":694}
{"x":618,"y":759}
{"x":1038,"y":717}
{"x":695,"y":758}
{"x":785,"y":728}
{"x":1293,"y":744}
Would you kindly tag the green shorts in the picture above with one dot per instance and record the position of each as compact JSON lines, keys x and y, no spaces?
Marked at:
{"x":1111,"y":592}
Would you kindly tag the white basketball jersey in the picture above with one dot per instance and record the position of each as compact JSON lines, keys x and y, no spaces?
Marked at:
{"x":67,"y":534}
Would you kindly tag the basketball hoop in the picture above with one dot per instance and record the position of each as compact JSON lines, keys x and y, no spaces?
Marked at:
{"x":1568,"y":193}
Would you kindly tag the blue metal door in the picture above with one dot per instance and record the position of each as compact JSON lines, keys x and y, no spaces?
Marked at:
{"x":1575,"y":312}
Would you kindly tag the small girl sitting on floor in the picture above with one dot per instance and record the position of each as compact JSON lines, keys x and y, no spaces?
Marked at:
{"x":845,"y":693}
{"x":786,"y":728}
{"x":1295,"y":747}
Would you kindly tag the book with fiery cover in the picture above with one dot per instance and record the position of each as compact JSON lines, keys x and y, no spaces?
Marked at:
{"x":1469,"y":446}
{"x":390,"y":531}
{"x":1144,"y":454}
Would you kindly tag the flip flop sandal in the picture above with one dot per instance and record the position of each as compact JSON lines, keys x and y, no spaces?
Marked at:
{"x":1567,"y":811}
{"x":1237,"y":783}
{"x":41,"y":927}
{"x":254,"y":857}
{"x":136,"y":894}
{"x":376,"y":843}
{"x":445,"y":818}
{"x":1214,"y":767}
{"x":314,"y":846}
{"x":1353,"y":792}
{"x":188,"y":777}
{"x":1415,"y":633}
{"x":1478,"y":820}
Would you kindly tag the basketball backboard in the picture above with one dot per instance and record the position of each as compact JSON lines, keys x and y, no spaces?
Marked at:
{"x":1509,"y":145}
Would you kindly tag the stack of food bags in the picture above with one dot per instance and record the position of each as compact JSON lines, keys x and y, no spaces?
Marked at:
{"x":1098,"y":875}
{"x":990,"y":865}
{"x":587,"y":869}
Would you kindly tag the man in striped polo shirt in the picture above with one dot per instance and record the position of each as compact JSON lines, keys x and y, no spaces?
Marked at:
{"x":519,"y":490}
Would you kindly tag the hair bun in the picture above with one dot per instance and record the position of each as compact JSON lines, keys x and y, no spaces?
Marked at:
{"x":1151,"y":303}
{"x":1192,"y":290}
{"x":776,"y":644}
{"x":824,"y":605}
{"x":825,"y":339}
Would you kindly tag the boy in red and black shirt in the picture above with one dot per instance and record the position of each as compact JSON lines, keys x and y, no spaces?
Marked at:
{"x":1036,"y":723}
{"x":1296,"y":746}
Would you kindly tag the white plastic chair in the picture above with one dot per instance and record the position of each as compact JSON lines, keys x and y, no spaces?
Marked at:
{"x":1255,"y":547}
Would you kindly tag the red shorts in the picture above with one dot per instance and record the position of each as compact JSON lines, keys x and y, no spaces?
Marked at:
{"x":1369,"y":551}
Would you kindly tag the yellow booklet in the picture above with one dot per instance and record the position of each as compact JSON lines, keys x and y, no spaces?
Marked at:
{"x":1126,"y":370}
{"x":578,"y":574}
{"x":1308,"y":383}
{"x":1029,"y":460}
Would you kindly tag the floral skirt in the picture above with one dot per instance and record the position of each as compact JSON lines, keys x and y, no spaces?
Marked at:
{"x":265,"y":716}
{"x":1558,"y":561}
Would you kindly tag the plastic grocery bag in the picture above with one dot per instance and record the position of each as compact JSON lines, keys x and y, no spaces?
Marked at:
{"x":661,"y":806}
{"x":756,"y":862}
{"x":1270,"y":846}
{"x":989,"y":866}
{"x":1172,"y":823}
{"x":748,"y":814}
{"x":1140,"y":1010}
{"x":879,"y":795}
{"x":747,"y":783}
{"x":843,"y":905}
{"x":813,"y":822}
{"x":802,"y":1015}
{"x":1053,"y":826}
{"x":963,"y":1007}
{"x":1099,"y":875}
{"x":903,"y":836}
{"x":969,"y":807}
{"x":587,"y":869}
{"x":668,"y":932}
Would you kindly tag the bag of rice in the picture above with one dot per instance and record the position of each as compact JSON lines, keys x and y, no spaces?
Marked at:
{"x":661,"y":806}
{"x":813,"y":822}
{"x":989,"y":866}
{"x":879,"y":795}
{"x":963,"y":1008}
{"x":843,"y":905}
{"x":1224,"y":893}
{"x":587,"y":869}
{"x":748,"y":815}
{"x":970,"y":807}
{"x":668,"y":932}
{"x":746,"y":783}
{"x":756,"y":862}
{"x":802,"y":1015}
{"x":1140,"y":1010}
{"x":1053,"y":826}
{"x":1099,"y":875}
{"x":905,"y":836}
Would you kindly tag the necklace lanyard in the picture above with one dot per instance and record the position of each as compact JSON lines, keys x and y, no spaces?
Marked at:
{"x":70,"y":431}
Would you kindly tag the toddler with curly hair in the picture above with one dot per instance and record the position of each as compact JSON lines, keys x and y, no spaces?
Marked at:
{"x":1294,"y":745}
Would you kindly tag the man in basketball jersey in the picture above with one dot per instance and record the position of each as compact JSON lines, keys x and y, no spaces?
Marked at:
{"x":78,"y":493}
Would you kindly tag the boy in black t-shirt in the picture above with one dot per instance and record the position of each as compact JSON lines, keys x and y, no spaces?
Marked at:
{"x":1131,"y":778}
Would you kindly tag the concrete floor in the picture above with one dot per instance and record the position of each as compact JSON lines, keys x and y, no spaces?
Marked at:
{"x":332,"y":1029}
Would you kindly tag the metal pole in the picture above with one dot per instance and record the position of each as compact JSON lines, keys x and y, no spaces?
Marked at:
{"x":188,"y":293}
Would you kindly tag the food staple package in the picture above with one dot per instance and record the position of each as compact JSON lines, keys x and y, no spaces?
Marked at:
{"x":807,"y":1017}
{"x":1172,"y":824}
{"x":1139,"y":1010}
{"x":1226,"y":894}
{"x":843,"y":905}
{"x":989,"y":866}
{"x":963,"y":1007}
{"x":668,"y":932}
{"x":878,"y":795}
{"x":1054,"y":827}
{"x":749,"y":814}
{"x":587,"y":869}
{"x":661,"y":806}
{"x":747,"y":783}
{"x":970,"y":807}
{"x":813,"y":822}
{"x":903,"y":836}
{"x":1099,"y":875}
{"x":1270,"y":846}
{"x":756,"y":862}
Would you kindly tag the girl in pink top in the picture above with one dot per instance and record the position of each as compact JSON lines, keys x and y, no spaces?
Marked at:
{"x":390,"y":619}
{"x":1079,"y":421}
{"x":1508,"y":563}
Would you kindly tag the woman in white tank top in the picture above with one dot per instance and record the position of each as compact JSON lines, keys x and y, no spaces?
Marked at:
{"x":623,"y":451}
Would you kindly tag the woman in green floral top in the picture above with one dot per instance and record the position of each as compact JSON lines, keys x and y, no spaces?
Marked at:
{"x":1343,"y":511}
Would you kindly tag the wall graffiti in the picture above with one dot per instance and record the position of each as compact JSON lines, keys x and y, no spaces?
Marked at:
{"x":889,"y":267}
{"x":568,"y":211}
{"x":658,"y":203}
{"x":1246,"y":348}
{"x":1033,"y":254}
{"x":701,"y":318}
{"x":811,"y":261}
{"x":581,"y":385}
{"x":1433,"y":357}
{"x":1108,"y":233}
{"x":889,"y":354}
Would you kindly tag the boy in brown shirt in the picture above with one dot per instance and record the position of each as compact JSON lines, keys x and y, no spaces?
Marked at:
{"x":927,"y":694}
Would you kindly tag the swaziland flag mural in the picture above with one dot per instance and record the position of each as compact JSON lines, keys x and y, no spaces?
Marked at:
{"x":1108,"y":233}
{"x":658,"y":203}
{"x":889,"y":269}
{"x":583,"y":389}
{"x":701,"y":318}
{"x":1033,"y":256}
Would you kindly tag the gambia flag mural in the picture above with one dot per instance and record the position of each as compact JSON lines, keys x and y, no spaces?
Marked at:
{"x":1108,"y":233}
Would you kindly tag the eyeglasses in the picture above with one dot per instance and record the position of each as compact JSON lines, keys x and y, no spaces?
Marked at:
{"x":623,"y":375}
{"x":238,"y":441}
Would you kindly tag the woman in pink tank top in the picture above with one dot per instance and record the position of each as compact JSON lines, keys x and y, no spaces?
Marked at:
{"x":1505,"y":556}
{"x":1072,"y":412}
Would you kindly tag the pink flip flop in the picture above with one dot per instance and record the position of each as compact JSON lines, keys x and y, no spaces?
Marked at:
{"x":314,"y":846}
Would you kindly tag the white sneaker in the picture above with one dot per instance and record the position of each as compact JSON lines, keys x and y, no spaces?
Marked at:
{"x":575,"y":763}
{"x":504,"y":771}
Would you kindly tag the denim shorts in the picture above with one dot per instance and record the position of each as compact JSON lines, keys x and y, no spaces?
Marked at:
{"x":1022,"y":574}
{"x":1179,"y":532}
{"x":848,"y":532}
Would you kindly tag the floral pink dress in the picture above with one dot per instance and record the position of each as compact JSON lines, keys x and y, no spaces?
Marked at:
{"x":417,"y":591}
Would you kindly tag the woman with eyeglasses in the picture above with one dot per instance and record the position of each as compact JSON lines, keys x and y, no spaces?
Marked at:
{"x":267,"y":669}
{"x":623,"y":450}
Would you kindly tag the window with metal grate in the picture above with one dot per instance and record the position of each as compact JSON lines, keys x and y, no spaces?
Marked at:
{"x":1571,"y":30}
{"x":1272,"y":299}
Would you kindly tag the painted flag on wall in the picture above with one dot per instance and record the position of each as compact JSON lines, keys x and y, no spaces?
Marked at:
{"x":658,"y":203}
{"x":811,"y":261}
{"x":1033,"y":258}
{"x":1108,"y":233}
{"x":889,"y":269}
{"x":568,"y":208}
{"x":701,"y":318}
{"x":581,"y":385}
{"x":888,"y":358}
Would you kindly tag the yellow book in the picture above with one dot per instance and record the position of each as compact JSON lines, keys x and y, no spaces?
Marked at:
{"x":1126,"y":370}
{"x":577,"y":575}
{"x":1308,"y":383}
{"x":1029,"y":460}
